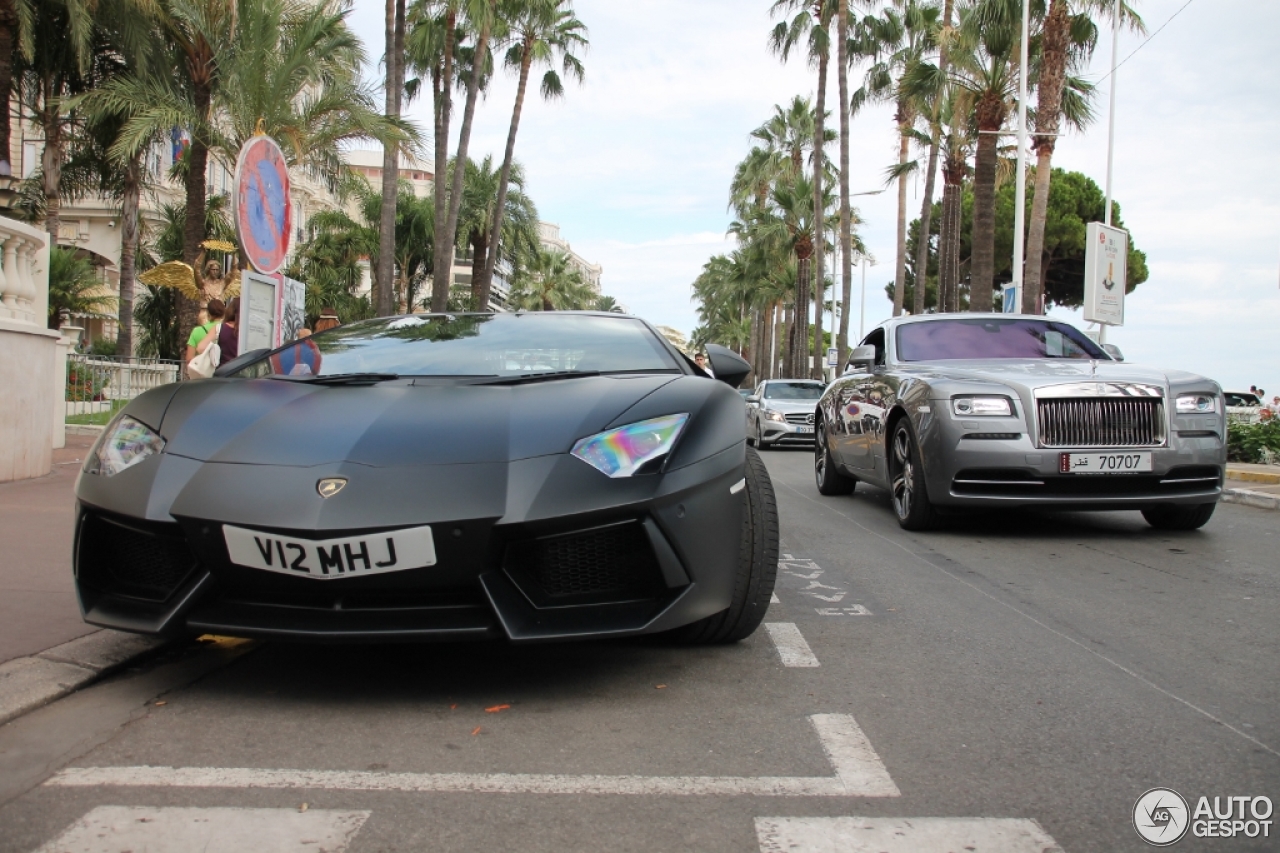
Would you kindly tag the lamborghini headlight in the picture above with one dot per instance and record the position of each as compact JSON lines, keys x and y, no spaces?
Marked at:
{"x":1197,"y":404}
{"x":622,"y":451}
{"x":127,"y":442}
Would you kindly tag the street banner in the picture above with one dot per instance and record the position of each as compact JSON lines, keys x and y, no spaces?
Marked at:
{"x":263,"y":211}
{"x":1106,"y":258}
{"x":1010,"y":301}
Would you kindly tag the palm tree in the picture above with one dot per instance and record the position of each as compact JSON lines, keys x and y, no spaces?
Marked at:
{"x":483,"y":18}
{"x":16,"y":40}
{"x":481,"y":196}
{"x":984,"y":65}
{"x":846,"y":222}
{"x":61,"y":65}
{"x":393,"y":90}
{"x":934,"y":95}
{"x":75,"y":288}
{"x":607,"y":303}
{"x":813,"y":19}
{"x":1067,"y":40}
{"x":540,"y":29}
{"x":898,"y":41}
{"x":551,"y":283}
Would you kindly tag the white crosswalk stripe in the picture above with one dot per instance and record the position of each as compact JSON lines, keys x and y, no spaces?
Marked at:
{"x":902,"y":835}
{"x":858,"y":773}
{"x":144,"y":829}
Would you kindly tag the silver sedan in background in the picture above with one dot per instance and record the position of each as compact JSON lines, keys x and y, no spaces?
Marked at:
{"x":999,"y":411}
{"x":780,"y":411}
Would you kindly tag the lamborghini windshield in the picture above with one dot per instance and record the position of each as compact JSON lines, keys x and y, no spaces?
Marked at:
{"x":982,"y":338}
{"x":494,"y":345}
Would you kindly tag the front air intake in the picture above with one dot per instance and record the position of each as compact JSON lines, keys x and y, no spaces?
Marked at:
{"x":602,"y":564}
{"x":127,"y":561}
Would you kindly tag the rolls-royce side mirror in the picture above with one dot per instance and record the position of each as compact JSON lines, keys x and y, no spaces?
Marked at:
{"x":861,"y":358}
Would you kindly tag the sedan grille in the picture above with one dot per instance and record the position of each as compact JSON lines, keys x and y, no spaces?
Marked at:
{"x":1100,"y":422}
{"x":800,"y":418}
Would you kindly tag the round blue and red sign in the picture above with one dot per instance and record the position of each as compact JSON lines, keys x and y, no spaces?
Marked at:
{"x":264,"y":214}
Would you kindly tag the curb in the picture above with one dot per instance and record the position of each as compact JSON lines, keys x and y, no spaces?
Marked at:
{"x":1265,"y":477}
{"x":1261,"y":500}
{"x":30,"y":682}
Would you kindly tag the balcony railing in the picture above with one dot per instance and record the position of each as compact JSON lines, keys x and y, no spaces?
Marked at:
{"x":101,"y":385}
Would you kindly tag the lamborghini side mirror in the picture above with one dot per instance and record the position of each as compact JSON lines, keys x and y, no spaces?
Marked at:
{"x":727,"y":365}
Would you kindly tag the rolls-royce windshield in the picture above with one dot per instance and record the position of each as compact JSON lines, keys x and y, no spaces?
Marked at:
{"x":989,"y":338}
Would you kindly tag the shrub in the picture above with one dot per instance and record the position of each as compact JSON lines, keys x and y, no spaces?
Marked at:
{"x":1257,"y":443}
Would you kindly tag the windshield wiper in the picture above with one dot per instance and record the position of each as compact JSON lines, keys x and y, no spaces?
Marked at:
{"x":546,"y":376}
{"x":341,"y":378}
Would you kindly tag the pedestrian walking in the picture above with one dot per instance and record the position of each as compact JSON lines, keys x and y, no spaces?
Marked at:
{"x":328,"y":320}
{"x":214,"y":312}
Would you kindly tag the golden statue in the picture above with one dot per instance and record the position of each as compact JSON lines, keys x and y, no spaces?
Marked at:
{"x":208,"y":284}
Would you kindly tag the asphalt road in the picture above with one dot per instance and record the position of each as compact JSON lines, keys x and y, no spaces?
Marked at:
{"x":1000,"y":685}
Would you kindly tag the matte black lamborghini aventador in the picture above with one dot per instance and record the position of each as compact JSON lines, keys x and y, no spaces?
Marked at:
{"x":531,"y":476}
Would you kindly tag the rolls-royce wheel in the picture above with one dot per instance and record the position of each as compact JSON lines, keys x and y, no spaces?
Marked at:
{"x":830,"y":481}
{"x":907,"y":482}
{"x":1179,"y":517}
{"x":757,"y":566}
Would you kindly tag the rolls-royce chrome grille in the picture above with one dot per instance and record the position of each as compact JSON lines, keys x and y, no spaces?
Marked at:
{"x":1101,"y":422}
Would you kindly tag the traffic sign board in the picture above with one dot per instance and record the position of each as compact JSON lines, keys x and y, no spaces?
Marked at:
{"x":263,"y":211}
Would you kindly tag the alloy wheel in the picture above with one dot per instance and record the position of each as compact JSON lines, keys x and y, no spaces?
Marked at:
{"x":904,"y":476}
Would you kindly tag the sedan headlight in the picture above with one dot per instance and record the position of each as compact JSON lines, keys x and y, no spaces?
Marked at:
{"x":622,"y":451}
{"x":1197,"y":404}
{"x":998,"y":407}
{"x":772,"y":415}
{"x":127,"y":442}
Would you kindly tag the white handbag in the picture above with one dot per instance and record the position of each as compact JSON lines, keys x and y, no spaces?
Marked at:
{"x":205,"y":363}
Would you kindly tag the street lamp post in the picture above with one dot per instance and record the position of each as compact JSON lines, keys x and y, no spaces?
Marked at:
{"x":862,"y":315}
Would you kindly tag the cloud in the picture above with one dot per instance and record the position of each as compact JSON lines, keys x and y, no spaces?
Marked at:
{"x":635,"y":164}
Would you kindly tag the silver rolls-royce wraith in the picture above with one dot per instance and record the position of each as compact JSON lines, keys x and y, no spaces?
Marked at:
{"x":999,"y":410}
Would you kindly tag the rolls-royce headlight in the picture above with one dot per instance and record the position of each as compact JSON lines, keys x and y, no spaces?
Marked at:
{"x":622,"y":451}
{"x":966,"y":407}
{"x":128,"y":441}
{"x":1197,"y":404}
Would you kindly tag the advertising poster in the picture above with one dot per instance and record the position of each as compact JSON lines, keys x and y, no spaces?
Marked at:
{"x":1105,"y":259}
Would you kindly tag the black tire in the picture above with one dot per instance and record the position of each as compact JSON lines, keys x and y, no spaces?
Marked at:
{"x":760,"y":442}
{"x":1179,"y":517}
{"x":757,"y":566}
{"x":911,"y":502}
{"x":830,"y":481}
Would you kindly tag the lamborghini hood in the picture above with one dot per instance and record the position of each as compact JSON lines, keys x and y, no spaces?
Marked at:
{"x":283,"y":423}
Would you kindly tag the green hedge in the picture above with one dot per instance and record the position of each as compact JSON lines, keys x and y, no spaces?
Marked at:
{"x":1257,"y":443}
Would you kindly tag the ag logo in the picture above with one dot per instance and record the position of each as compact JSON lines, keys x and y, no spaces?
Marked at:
{"x":330,"y":486}
{"x":1161,"y":817}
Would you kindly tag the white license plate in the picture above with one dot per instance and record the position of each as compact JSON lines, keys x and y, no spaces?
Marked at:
{"x":325,"y":559}
{"x":804,"y":429}
{"x":1105,"y":463}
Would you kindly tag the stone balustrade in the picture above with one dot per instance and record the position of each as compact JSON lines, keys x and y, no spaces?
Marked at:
{"x":32,"y":356}
{"x":24,"y":278}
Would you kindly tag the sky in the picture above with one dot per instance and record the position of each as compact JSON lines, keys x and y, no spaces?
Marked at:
{"x":635,"y":163}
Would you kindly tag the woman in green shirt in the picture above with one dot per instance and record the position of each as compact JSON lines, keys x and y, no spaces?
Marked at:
{"x":215,"y":310}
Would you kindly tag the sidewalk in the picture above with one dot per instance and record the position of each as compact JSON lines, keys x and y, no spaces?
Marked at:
{"x":46,"y":649}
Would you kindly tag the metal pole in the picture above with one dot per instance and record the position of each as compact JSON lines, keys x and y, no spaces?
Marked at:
{"x":862,"y":315}
{"x":1111,"y":120}
{"x":1020,"y":204}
